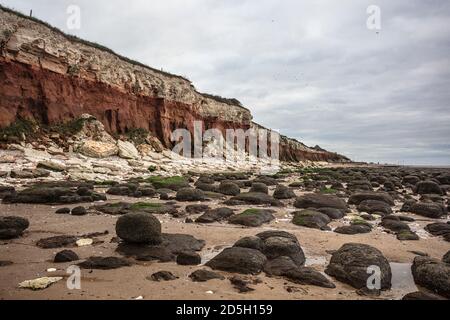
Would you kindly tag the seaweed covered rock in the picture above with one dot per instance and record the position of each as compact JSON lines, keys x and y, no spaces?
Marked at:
{"x":311,"y":219}
{"x":252,"y":217}
{"x":139,"y":227}
{"x":190,"y":194}
{"x":428,"y":209}
{"x":350,"y":264}
{"x":432,"y":274}
{"x":228,"y":188}
{"x":316,"y":200}
{"x":359,"y":197}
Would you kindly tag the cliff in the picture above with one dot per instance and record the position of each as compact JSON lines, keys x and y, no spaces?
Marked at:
{"x":49,"y":77}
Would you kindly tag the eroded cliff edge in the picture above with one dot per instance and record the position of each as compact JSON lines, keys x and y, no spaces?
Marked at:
{"x":50,"y":78}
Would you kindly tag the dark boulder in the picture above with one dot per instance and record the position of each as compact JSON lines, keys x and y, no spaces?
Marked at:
{"x":421,"y":295}
{"x":205,"y":275}
{"x":189,"y":194}
{"x":229,"y":188}
{"x":411,"y":180}
{"x":12,"y":227}
{"x":350,"y":264}
{"x":311,"y":219}
{"x":427,"y":187}
{"x":252,"y":217}
{"x":353,"y":229}
{"x":428,"y":209}
{"x":206,"y":187}
{"x":239,"y":260}
{"x":407,"y":205}
{"x":285,"y":267}
{"x":7,"y":191}
{"x":446,"y":257}
{"x":407,"y":235}
{"x":197,"y":208}
{"x":104,"y":263}
{"x":139,"y":227}
{"x":63,"y":211}
{"x":276,"y":233}
{"x":162,"y":276}
{"x":316,"y":200}
{"x":241,"y":284}
{"x":251,"y":242}
{"x":359,"y":197}
{"x":66,"y":256}
{"x":5,"y":263}
{"x":280,"y":245}
{"x":432,"y":274}
{"x":51,"y":195}
{"x":268,"y":181}
{"x":332,"y":213}
{"x":79,"y":211}
{"x":257,"y":198}
{"x":375,"y":206}
{"x":57,"y":242}
{"x":438,"y":228}
{"x":283,"y":192}
{"x":188,"y":258}
{"x":394,"y":225}
{"x":259,"y":187}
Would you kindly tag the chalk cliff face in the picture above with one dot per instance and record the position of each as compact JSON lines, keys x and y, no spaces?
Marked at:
{"x":48,"y":77}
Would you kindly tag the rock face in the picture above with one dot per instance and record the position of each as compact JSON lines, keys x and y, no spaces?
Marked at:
{"x":52,"y":78}
{"x":350,"y":264}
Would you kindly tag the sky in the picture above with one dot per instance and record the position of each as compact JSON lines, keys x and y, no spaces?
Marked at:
{"x":313,"y":70}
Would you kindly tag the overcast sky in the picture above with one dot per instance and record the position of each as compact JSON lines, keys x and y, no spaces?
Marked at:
{"x":310,"y":69}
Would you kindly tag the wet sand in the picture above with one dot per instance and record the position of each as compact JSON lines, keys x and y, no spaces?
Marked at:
{"x":30,"y":261}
